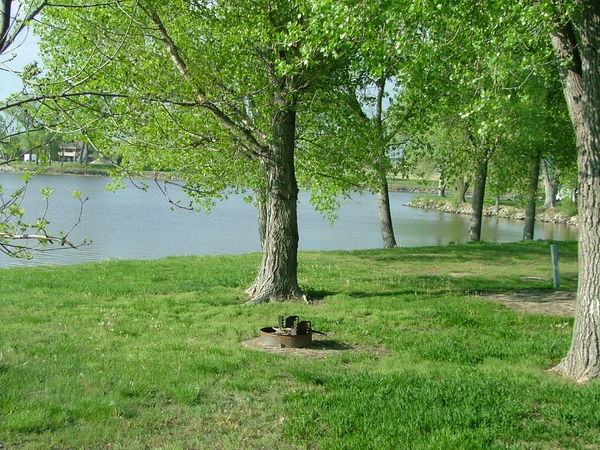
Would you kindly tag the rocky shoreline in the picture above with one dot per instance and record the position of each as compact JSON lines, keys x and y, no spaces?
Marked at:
{"x":413,"y":189}
{"x":506,"y":212}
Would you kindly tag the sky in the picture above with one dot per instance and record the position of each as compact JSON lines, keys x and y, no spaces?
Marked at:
{"x":26,"y":50}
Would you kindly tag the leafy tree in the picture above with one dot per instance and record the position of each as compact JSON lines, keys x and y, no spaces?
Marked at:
{"x":575,"y":37}
{"x":459,"y":76}
{"x":380,"y":141}
{"x":542,"y":132}
{"x":210,"y":90}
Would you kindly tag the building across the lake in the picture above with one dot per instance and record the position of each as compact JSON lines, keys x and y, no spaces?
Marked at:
{"x":74,"y":152}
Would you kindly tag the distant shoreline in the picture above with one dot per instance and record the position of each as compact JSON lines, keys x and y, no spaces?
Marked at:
{"x":506,"y":212}
{"x":92,"y":170}
{"x":100,"y":170}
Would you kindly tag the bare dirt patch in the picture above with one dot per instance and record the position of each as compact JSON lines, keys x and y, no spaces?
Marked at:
{"x":538,"y":301}
{"x":321,"y":348}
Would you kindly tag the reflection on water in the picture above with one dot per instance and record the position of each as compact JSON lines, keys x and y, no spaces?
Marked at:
{"x":133,"y":224}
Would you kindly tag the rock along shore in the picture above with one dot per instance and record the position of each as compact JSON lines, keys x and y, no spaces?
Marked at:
{"x":506,"y":212}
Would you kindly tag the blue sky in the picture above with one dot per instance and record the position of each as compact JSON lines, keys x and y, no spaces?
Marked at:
{"x":26,"y":51}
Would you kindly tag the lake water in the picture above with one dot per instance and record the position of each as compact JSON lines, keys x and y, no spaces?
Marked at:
{"x":133,"y":224}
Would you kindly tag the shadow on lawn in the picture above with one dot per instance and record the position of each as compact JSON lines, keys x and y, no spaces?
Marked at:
{"x":477,"y":286}
{"x":329,"y":344}
{"x":480,"y":251}
{"x":317,"y":295}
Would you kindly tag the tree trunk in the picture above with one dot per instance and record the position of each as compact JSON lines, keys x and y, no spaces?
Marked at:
{"x":277,"y":277}
{"x":534,"y":179}
{"x":462,"y":193}
{"x":574,"y":194}
{"x":385,"y":215}
{"x":383,"y":195}
{"x":549,"y":186}
{"x":261,"y":209}
{"x":497,"y":203}
{"x":442,"y":188}
{"x":84,"y":153}
{"x":478,"y":197}
{"x":579,"y":62}
{"x":442,"y":183}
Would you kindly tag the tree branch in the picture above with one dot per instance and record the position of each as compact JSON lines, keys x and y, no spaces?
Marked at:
{"x":96,"y":94}
{"x":6,"y":39}
{"x":38,"y":237}
{"x":238,"y":130}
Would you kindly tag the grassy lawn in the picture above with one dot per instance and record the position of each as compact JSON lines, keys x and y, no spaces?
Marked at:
{"x":147,"y":354}
{"x":417,"y":184}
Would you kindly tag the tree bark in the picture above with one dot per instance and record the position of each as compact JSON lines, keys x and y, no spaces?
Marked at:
{"x":534,"y":179}
{"x":579,"y":63}
{"x":549,"y":186}
{"x":478,"y":197}
{"x":385,"y":215}
{"x":277,"y":277}
{"x":261,"y":209}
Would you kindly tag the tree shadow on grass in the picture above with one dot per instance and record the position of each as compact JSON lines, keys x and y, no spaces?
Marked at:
{"x":479,"y":251}
{"x":428,"y":294}
{"x":329,"y":344}
{"x":315,"y":295}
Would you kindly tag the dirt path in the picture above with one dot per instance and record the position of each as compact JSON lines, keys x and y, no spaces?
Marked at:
{"x":554,"y":303}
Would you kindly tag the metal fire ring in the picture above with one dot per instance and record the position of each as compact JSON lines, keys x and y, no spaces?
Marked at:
{"x":291,"y":333}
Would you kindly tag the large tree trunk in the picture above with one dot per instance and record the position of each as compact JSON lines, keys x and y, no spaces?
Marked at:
{"x":534,"y":179}
{"x":277,"y":277}
{"x":477,"y":203}
{"x":580,"y":74}
{"x":549,"y":186}
{"x":385,"y":215}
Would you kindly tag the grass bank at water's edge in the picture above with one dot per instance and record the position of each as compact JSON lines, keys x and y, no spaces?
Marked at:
{"x":147,"y":353}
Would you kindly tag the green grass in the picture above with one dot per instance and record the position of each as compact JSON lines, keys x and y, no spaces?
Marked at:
{"x":79,"y":169}
{"x":147,"y":354}
{"x":451,"y":200}
{"x":416,"y":184}
{"x":567,"y":207}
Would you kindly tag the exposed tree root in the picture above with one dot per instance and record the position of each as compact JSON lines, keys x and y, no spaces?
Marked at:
{"x":565,"y":369}
{"x":272,"y":298}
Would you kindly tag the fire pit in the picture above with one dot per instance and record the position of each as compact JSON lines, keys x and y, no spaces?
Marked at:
{"x":291,"y":333}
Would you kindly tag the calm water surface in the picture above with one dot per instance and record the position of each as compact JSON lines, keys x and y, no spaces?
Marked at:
{"x":133,"y":224}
